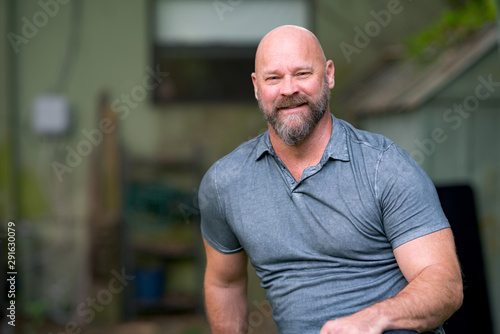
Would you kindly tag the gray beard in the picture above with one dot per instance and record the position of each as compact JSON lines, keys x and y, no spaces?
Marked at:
{"x":293,"y":129}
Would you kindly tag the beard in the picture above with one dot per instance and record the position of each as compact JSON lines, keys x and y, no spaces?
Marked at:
{"x":293,"y":129}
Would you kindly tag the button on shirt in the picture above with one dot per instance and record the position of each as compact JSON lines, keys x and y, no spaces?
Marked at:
{"x":323,"y":246}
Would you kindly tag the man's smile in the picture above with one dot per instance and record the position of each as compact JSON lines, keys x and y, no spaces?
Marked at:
{"x":293,"y":106}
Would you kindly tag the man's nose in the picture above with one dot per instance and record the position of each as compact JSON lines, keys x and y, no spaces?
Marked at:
{"x":289,"y":86}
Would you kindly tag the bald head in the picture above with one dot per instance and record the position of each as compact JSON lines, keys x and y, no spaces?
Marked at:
{"x":288,"y":39}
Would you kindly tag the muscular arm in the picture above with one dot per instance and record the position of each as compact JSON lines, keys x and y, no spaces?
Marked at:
{"x":225,"y":291}
{"x":433,"y":294}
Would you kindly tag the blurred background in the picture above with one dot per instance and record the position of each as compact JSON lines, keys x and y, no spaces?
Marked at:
{"x":111,"y":111}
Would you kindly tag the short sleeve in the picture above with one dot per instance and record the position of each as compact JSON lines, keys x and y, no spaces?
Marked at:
{"x":214,"y":227}
{"x":408,"y":198}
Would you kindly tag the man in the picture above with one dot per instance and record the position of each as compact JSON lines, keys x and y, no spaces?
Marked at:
{"x":344,"y":229}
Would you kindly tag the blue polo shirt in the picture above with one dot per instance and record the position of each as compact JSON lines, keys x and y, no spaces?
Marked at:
{"x":323,"y":246}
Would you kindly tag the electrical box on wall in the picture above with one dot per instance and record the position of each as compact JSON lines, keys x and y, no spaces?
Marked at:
{"x":51,"y":115}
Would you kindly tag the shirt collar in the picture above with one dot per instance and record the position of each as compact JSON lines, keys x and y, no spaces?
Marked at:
{"x":336,"y":148}
{"x":264,"y":146}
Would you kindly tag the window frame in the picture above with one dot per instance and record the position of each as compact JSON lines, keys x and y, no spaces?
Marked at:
{"x":208,"y":51}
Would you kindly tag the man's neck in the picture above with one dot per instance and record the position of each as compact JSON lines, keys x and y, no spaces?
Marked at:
{"x":306,"y":154}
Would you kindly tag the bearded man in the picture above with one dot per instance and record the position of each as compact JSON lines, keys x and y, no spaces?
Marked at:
{"x":344,"y":229}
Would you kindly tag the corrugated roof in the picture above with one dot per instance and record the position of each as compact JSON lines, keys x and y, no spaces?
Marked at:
{"x":405,"y":85}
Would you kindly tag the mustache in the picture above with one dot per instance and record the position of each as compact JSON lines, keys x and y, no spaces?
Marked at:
{"x":290,"y":101}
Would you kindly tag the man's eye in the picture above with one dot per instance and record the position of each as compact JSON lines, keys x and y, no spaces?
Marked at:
{"x":303,"y":74}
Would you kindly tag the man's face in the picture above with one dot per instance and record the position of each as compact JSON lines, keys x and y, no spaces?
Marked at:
{"x":294,"y":117}
{"x":292,"y":88}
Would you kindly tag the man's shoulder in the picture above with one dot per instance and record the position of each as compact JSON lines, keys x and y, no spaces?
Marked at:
{"x":378,"y":151}
{"x":247,"y":151}
{"x":365,"y":139}
{"x":239,"y":160}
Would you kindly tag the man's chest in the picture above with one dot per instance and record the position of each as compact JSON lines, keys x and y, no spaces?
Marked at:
{"x":328,"y":215}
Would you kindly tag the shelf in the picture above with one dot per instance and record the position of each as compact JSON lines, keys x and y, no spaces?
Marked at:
{"x":166,"y":251}
{"x":171,"y":303}
{"x":164,"y":248}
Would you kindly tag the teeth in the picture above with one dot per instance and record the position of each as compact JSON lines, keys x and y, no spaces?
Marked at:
{"x":294,"y":106}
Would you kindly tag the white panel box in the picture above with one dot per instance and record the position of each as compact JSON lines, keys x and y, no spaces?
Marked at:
{"x":51,"y":115}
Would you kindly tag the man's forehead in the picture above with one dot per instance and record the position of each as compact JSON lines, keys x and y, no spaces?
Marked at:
{"x":285,"y":32}
{"x":289,"y":45}
{"x":287,"y":59}
{"x":285,"y":65}
{"x":286,"y":42}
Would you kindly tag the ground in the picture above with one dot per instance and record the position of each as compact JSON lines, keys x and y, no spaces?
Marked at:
{"x":161,"y":324}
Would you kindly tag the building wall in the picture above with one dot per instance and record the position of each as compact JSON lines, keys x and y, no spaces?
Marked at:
{"x":461,"y":148}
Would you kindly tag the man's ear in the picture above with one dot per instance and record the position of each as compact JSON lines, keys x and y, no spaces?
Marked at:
{"x":330,"y":73}
{"x":255,"y":88}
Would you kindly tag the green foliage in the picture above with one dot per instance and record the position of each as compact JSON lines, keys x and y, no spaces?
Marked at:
{"x":451,"y":28}
{"x":36,"y":312}
{"x":193,"y":331}
{"x":33,"y":203}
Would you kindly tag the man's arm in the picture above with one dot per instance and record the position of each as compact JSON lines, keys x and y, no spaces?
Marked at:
{"x":226,"y":291}
{"x":433,"y":294}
